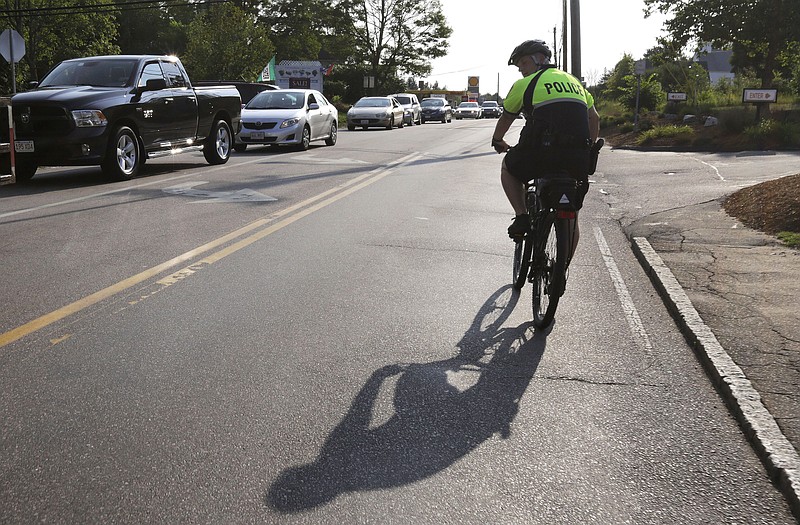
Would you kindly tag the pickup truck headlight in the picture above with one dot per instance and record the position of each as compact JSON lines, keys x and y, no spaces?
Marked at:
{"x":289,"y":122}
{"x":87,"y":118}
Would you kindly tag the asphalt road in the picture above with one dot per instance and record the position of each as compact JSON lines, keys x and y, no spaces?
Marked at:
{"x":330,"y":336}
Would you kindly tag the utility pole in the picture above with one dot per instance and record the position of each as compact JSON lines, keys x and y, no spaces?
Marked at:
{"x":564,"y":24}
{"x":575,"y":17}
{"x":555,"y":47}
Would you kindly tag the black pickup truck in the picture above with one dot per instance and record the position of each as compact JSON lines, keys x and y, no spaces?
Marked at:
{"x":117,"y":111}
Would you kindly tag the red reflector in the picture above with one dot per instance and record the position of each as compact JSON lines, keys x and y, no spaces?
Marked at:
{"x":565,"y":214}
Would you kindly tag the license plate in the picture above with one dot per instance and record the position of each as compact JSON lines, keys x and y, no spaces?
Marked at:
{"x":23,"y":146}
{"x":365,"y":121}
{"x":256,"y":135}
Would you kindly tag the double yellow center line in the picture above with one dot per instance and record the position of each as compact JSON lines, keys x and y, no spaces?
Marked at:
{"x":284,"y":218}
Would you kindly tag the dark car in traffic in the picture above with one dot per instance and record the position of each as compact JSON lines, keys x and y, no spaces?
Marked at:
{"x":435,"y":108}
{"x":116,"y":111}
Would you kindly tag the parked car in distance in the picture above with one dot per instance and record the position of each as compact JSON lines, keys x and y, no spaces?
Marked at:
{"x":468,"y":110}
{"x":410,"y":103}
{"x":436,"y":108}
{"x":371,"y":112}
{"x":294,"y":117}
{"x":491,"y":109}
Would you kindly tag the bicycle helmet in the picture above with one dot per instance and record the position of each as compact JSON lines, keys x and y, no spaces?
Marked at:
{"x":529,"y":47}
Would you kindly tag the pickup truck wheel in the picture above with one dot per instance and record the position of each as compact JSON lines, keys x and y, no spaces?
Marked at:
{"x":217,"y":149}
{"x":331,"y":140}
{"x":25,"y":170}
{"x":124,"y":155}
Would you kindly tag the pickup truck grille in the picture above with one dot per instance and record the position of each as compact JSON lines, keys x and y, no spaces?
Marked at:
{"x":41,"y":121}
{"x":258,"y":125}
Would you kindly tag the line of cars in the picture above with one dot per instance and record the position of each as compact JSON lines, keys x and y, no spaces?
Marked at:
{"x":397,"y":110}
{"x":488,"y":108}
{"x":297,"y":117}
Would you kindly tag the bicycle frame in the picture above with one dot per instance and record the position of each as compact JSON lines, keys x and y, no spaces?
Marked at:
{"x":543,"y":257}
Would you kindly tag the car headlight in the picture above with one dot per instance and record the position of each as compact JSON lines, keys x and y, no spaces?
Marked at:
{"x":289,"y":122}
{"x":88,"y":118}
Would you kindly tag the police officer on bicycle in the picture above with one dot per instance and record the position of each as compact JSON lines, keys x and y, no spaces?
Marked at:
{"x":561,"y":126}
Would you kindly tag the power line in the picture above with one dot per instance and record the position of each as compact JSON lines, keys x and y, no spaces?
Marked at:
{"x":136,"y":5}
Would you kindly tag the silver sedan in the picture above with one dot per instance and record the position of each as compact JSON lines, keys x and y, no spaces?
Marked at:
{"x":371,"y":112}
{"x":293,"y":117}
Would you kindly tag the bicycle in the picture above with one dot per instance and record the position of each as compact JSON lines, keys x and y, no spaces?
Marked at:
{"x":542,"y":257}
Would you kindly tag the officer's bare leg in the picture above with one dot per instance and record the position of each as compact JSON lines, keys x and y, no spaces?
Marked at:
{"x":514,"y":189}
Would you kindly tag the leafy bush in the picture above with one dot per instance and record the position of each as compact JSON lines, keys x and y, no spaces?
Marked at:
{"x":681,"y":134}
{"x":769,"y":130}
{"x":736,"y":119}
{"x":627,"y":127}
{"x":790,"y":239}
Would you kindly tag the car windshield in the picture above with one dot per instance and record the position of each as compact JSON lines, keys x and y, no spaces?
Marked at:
{"x":98,"y":73}
{"x":490,"y":104}
{"x":373,"y":103}
{"x":404,"y":100}
{"x":277,"y":99}
{"x":468,"y":105}
{"x":432,"y":102}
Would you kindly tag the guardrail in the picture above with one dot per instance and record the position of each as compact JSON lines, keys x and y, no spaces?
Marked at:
{"x":6,"y":147}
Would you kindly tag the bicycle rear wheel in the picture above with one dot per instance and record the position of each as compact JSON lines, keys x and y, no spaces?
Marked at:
{"x":522,"y":261}
{"x":549,"y":272}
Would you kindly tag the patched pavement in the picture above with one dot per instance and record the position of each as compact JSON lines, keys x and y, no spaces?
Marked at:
{"x":745,"y":287}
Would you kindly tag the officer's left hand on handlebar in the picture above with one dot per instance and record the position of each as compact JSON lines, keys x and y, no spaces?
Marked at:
{"x":500,"y":146}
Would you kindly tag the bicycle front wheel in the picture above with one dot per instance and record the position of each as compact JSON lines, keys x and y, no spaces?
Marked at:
{"x":522,"y":261}
{"x":549,"y":272}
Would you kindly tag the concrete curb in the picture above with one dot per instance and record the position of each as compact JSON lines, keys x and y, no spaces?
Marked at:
{"x":776,"y":452}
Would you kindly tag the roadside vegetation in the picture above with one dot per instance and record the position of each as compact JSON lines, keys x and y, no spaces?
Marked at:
{"x":392,"y":42}
{"x":764,"y":41}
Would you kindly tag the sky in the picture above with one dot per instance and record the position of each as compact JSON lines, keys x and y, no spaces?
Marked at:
{"x":482,"y":40}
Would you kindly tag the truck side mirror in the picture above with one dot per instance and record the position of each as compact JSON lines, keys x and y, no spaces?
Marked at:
{"x":155,"y":84}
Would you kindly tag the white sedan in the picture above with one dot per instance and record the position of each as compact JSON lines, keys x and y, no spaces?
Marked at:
{"x":468,"y":110}
{"x":293,"y":117}
{"x":370,"y":112}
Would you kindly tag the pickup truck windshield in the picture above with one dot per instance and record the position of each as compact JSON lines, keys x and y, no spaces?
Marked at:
{"x":98,"y":73}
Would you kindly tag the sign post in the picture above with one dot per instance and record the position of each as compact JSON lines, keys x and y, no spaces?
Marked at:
{"x":639,"y":67}
{"x":473,"y":88}
{"x":762,"y":98}
{"x":12,"y":48}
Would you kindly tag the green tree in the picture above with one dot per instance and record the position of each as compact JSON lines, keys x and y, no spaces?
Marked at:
{"x":395,"y":37}
{"x":55,"y":30}
{"x":760,"y":32}
{"x":621,"y":85}
{"x":148,"y":30}
{"x":614,"y":83}
{"x":309,"y":29}
{"x":225,"y":43}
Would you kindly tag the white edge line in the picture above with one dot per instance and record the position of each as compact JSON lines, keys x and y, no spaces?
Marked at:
{"x":631,"y":313}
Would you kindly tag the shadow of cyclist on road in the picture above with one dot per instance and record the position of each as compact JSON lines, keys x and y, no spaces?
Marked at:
{"x":442,"y":411}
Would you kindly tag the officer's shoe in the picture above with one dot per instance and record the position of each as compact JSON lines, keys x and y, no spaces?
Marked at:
{"x":520,"y":227}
